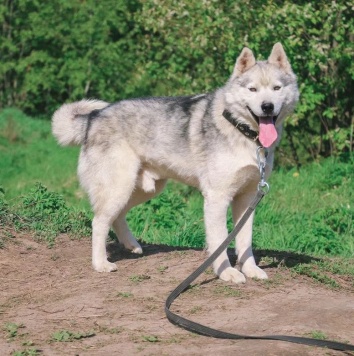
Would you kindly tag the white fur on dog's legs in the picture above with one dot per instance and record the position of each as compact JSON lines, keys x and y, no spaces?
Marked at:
{"x":100,"y":228}
{"x":244,"y":240}
{"x":125,"y":236}
{"x":215,"y":212}
{"x":108,"y":200}
{"x":120,"y":225}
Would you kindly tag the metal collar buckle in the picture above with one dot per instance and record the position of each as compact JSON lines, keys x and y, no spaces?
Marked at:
{"x":262,"y":161}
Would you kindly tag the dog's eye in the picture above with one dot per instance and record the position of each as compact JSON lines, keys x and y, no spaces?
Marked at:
{"x":277,"y":87}
{"x":252,"y":89}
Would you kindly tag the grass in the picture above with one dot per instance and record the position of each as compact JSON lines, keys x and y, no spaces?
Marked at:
{"x":12,"y":329}
{"x":30,"y":154}
{"x":139,"y":278}
{"x":309,"y":210}
{"x":69,"y":336}
{"x":27,"y":352}
{"x":317,"y":334}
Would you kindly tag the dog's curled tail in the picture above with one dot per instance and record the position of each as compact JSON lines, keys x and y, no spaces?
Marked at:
{"x":70,"y":120}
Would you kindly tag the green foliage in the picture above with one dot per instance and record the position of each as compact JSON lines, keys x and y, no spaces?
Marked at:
{"x":12,"y":329}
{"x":46,"y":214}
{"x":137,"y":278}
{"x":27,"y":352}
{"x":150,"y":338}
{"x":318,"y":334}
{"x":117,"y":49}
{"x":69,"y":336}
{"x":78,"y":55}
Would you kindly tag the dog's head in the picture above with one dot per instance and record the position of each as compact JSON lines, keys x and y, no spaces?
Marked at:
{"x":262,"y":93}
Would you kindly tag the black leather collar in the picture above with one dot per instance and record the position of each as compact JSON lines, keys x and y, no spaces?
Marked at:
{"x":243,"y":128}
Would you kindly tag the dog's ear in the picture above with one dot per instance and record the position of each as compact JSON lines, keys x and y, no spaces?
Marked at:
{"x":279,"y":58}
{"x":244,"y":62}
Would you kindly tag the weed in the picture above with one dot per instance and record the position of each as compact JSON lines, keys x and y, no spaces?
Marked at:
{"x":227,"y":291}
{"x":137,"y":278}
{"x":162,"y":269}
{"x":193,"y":288}
{"x":68,"y":336}
{"x":45,"y":213}
{"x":26,"y":352}
{"x":266,"y":260}
{"x":317,"y":334}
{"x":125,"y":295}
{"x":316,"y":274}
{"x":28,"y":343}
{"x":151,"y":338}
{"x":195,"y":310}
{"x":12,"y":329}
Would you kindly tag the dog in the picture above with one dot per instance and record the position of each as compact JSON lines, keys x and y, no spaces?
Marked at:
{"x":209,"y":141}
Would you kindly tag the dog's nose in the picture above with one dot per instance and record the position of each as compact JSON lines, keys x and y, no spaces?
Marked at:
{"x":267,"y":108}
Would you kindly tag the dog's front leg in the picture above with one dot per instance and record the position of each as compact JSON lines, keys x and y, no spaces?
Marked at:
{"x":215,"y":212}
{"x":244,"y":238}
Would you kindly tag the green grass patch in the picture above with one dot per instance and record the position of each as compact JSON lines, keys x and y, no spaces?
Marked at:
{"x":12,"y":330}
{"x":29,"y":154}
{"x":150,"y":338}
{"x":43,"y":213}
{"x":318,"y":334}
{"x":69,"y":336}
{"x":27,"y":352}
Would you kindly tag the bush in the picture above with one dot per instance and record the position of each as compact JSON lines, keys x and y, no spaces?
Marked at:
{"x":117,"y":49}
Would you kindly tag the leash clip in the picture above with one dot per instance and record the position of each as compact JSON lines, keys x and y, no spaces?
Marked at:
{"x":262,"y":161}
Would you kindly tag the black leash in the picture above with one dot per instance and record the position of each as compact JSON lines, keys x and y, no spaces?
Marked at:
{"x":204,"y":330}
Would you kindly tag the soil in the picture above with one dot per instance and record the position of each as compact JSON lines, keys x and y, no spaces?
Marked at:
{"x":46,"y":291}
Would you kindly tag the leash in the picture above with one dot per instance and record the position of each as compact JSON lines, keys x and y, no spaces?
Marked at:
{"x":200,"y":329}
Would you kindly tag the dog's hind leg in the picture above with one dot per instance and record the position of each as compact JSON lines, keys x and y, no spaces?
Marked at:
{"x":215,"y":212}
{"x":244,"y":238}
{"x":120,"y":225}
{"x":125,"y":236}
{"x":110,"y":183}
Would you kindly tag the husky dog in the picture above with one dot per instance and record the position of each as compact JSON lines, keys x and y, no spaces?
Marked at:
{"x":209,"y":141}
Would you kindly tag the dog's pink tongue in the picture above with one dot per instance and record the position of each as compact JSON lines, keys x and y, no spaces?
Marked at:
{"x":267,"y":132}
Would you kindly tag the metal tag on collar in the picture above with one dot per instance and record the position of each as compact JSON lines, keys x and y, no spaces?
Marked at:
{"x":262,"y":161}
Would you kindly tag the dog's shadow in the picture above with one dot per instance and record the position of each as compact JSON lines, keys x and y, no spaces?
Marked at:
{"x":270,"y":258}
{"x":117,"y":252}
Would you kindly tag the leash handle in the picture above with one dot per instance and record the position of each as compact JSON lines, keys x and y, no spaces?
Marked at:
{"x":205,"y":330}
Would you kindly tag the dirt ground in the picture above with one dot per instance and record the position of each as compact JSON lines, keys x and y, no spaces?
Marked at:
{"x":50,"y":293}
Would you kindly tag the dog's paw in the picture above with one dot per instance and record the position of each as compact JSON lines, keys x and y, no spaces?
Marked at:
{"x":254,"y":272}
{"x":133,"y":247}
{"x":137,"y":250}
{"x":232,"y":275}
{"x":105,"y":266}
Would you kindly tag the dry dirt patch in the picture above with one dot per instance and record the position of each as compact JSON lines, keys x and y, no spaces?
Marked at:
{"x":65,"y":308}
